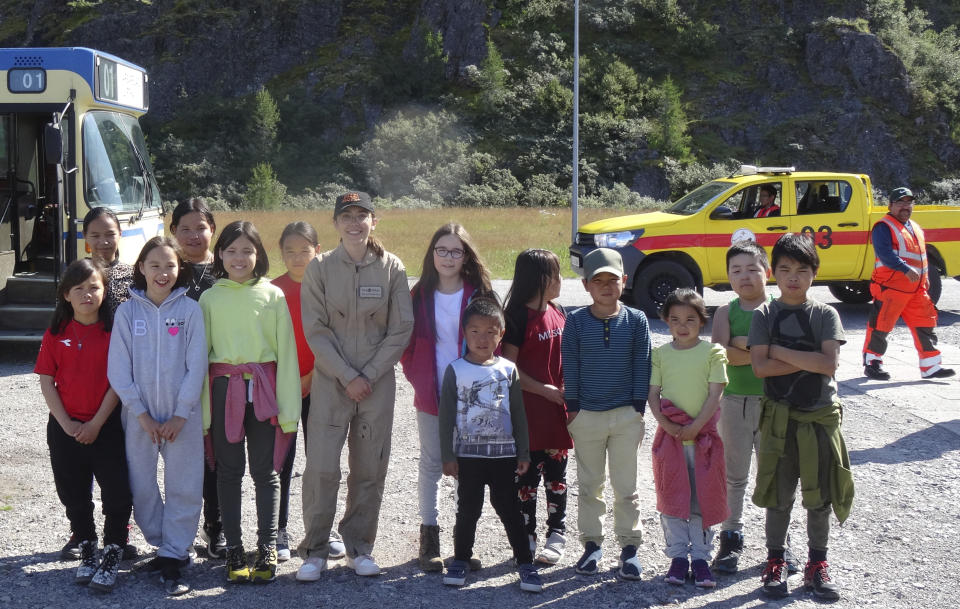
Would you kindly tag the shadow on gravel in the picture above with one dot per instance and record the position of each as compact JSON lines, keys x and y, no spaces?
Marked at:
{"x":947,"y":318}
{"x":862,"y":384}
{"x":924,"y":445}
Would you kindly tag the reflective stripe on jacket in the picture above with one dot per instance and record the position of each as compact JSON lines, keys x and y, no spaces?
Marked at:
{"x":911,"y":248}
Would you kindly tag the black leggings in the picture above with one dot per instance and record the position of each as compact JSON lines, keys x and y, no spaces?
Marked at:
{"x":287,"y":472}
{"x":76,"y":465}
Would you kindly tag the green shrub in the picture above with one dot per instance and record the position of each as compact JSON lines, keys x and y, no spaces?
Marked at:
{"x":685,"y":176}
{"x":541,"y":190}
{"x":425,"y":155}
{"x":264,"y":190}
{"x":498,"y":188}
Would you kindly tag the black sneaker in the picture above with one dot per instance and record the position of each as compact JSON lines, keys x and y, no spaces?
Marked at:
{"x":70,"y":550}
{"x":874,"y":370}
{"x":214,"y":541}
{"x":105,"y":578}
{"x":589,"y":563}
{"x":172,"y":582}
{"x":941,"y":373}
{"x":629,"y":563}
{"x":816,"y":578}
{"x":89,"y":561}
{"x":774,"y":578}
{"x":728,"y":557}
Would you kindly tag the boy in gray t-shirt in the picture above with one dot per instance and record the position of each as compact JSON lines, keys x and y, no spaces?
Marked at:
{"x":795,"y":347}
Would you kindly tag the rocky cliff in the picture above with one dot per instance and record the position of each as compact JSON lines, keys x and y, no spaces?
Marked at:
{"x":772,"y":81}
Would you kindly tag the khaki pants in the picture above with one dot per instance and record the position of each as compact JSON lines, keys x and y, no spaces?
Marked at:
{"x":366,"y":427}
{"x":739,"y":428}
{"x":599,"y":437}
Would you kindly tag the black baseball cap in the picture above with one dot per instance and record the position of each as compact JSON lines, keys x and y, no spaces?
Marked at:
{"x":354,"y":198}
{"x":900,"y":193}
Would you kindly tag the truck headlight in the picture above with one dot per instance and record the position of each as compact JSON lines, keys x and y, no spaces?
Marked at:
{"x":616,"y":240}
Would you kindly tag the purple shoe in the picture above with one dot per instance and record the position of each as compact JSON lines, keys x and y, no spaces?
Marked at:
{"x":702,"y":577}
{"x":678,"y":571}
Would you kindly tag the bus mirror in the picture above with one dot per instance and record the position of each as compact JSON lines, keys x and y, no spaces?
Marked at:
{"x":53,"y":144}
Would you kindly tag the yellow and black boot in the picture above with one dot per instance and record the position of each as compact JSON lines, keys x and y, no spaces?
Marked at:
{"x":237,"y":570}
{"x":265,"y":568}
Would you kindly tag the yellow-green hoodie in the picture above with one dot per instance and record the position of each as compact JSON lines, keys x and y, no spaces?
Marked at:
{"x":250,"y":322}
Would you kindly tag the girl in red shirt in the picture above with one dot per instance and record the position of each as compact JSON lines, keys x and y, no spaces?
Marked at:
{"x":532,"y":340}
{"x":84,"y":433}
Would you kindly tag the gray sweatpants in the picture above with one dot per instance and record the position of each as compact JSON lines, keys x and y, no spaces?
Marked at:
{"x":687,"y":536}
{"x":739,"y":429}
{"x":170,"y":525}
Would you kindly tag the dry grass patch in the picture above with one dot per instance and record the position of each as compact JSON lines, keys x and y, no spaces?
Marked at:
{"x":499,"y":234}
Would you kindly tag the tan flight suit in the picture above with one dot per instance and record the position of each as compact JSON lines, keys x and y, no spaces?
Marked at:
{"x":357,"y":319}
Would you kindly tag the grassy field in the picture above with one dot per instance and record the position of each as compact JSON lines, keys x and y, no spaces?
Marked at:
{"x":499,"y":234}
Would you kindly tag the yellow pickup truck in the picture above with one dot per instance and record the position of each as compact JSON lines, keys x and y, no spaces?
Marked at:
{"x":685,"y":245}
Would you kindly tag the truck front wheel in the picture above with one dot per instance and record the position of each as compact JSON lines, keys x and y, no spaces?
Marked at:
{"x":852,"y":292}
{"x":656,"y":281}
{"x":933,"y":274}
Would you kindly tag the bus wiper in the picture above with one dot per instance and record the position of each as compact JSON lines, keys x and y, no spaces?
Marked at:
{"x":146,"y":175}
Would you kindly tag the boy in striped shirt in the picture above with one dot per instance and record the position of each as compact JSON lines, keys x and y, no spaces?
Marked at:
{"x":606,"y":368}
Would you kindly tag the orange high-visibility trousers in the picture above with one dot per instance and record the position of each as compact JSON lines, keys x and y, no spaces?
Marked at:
{"x":918,"y":313}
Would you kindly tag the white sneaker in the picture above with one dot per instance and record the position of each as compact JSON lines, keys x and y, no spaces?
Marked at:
{"x":311,"y":569}
{"x":552,"y":550}
{"x":336,"y":547}
{"x":363,"y":564}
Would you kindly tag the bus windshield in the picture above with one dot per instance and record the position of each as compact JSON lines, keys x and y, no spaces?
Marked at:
{"x":116,"y":167}
{"x":694,"y":201}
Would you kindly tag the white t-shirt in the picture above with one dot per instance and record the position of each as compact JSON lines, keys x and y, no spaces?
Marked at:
{"x":446,"y":317}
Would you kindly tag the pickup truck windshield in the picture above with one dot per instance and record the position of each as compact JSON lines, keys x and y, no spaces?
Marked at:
{"x":696,"y":200}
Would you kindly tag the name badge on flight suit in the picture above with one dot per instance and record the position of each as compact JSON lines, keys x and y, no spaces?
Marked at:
{"x":371,"y":291}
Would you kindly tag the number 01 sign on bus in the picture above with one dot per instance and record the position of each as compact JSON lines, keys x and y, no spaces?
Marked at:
{"x":70,"y":141}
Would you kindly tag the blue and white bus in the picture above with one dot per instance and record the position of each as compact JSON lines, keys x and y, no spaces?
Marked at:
{"x":70,"y":140}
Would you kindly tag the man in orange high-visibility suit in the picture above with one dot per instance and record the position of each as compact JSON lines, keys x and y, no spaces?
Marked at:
{"x":899,"y":287}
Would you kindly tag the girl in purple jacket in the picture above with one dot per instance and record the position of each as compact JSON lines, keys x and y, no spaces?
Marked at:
{"x":453,"y":273}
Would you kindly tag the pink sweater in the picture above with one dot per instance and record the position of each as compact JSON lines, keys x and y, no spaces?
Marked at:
{"x":264,"y":404}
{"x":670,"y":470}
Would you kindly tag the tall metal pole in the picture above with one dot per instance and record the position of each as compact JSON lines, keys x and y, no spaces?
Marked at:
{"x":576,"y":118}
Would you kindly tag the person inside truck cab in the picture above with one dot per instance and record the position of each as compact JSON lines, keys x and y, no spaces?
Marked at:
{"x":768,"y":206}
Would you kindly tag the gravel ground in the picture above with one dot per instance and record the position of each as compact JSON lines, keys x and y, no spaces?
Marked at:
{"x":894,"y":551}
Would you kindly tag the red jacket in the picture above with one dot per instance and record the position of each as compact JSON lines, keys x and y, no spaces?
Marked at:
{"x":419,"y":361}
{"x":670,"y":476}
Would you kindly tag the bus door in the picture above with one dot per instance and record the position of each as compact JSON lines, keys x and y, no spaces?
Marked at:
{"x":28,"y":187}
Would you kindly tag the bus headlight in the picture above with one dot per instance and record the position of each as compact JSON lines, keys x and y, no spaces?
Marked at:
{"x":616,"y":240}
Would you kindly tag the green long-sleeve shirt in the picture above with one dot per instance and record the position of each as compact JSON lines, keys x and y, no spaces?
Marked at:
{"x":250,"y":322}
